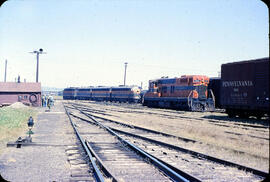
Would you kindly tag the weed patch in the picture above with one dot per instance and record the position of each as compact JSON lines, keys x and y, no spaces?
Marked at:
{"x":13,"y":123}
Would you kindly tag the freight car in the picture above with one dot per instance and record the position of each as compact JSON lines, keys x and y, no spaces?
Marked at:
{"x":70,"y":93}
{"x":245,"y":88}
{"x":214,"y":85}
{"x":184,"y":93}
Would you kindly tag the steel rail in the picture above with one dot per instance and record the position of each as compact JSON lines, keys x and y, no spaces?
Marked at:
{"x":102,"y":165}
{"x":220,"y":123}
{"x":190,"y":177}
{"x":99,"y":177}
{"x":162,"y":166}
{"x":153,"y":131}
{"x":145,"y":129}
{"x":196,"y":154}
{"x":212,"y":120}
{"x":127,"y":143}
{"x":184,"y":174}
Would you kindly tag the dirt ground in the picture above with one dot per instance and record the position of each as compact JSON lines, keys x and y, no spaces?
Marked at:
{"x":243,"y":141}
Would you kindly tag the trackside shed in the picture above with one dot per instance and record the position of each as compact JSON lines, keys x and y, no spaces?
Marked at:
{"x":27,"y":93}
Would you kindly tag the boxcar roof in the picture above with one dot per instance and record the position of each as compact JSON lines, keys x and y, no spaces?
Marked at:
{"x":19,"y":87}
{"x":248,"y":61}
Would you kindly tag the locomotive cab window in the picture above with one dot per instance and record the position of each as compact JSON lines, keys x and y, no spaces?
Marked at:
{"x":183,"y":80}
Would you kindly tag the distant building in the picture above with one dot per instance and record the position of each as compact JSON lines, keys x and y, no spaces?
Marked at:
{"x":51,"y":91}
{"x":27,"y":93}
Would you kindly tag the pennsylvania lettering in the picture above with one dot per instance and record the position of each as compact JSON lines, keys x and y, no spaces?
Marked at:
{"x":245,"y":83}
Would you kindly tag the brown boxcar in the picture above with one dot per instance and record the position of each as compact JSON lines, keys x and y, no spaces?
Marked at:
{"x":245,"y":88}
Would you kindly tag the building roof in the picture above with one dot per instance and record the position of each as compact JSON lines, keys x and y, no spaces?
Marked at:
{"x":20,"y":87}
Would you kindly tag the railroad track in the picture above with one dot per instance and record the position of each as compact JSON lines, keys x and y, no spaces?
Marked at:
{"x":260,"y":130}
{"x":115,"y":159}
{"x":219,"y":123}
{"x":161,"y":112}
{"x":207,"y":167}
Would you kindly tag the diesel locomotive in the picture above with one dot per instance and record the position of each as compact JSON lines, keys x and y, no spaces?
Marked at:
{"x":117,"y":94}
{"x":189,"y":92}
{"x":242,"y":90}
{"x":70,"y":93}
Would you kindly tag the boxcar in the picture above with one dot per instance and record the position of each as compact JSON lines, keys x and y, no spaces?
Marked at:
{"x":70,"y":93}
{"x":184,"y":93}
{"x":245,"y":88}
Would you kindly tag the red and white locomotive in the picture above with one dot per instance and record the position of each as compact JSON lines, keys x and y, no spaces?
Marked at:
{"x":184,"y":93}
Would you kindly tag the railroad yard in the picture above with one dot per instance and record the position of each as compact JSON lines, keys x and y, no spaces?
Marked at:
{"x":134,"y":91}
{"x":130,"y":142}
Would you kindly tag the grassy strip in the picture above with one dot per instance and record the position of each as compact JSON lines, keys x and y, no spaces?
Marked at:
{"x":13,"y":123}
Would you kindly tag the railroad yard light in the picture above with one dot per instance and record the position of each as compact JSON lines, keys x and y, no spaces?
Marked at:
{"x":40,"y":51}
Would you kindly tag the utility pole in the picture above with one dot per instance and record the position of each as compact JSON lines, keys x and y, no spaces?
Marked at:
{"x":40,"y":51}
{"x":5,"y":78}
{"x":125,"y":73}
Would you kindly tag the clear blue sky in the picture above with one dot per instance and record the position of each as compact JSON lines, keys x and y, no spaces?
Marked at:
{"x":88,"y":41}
